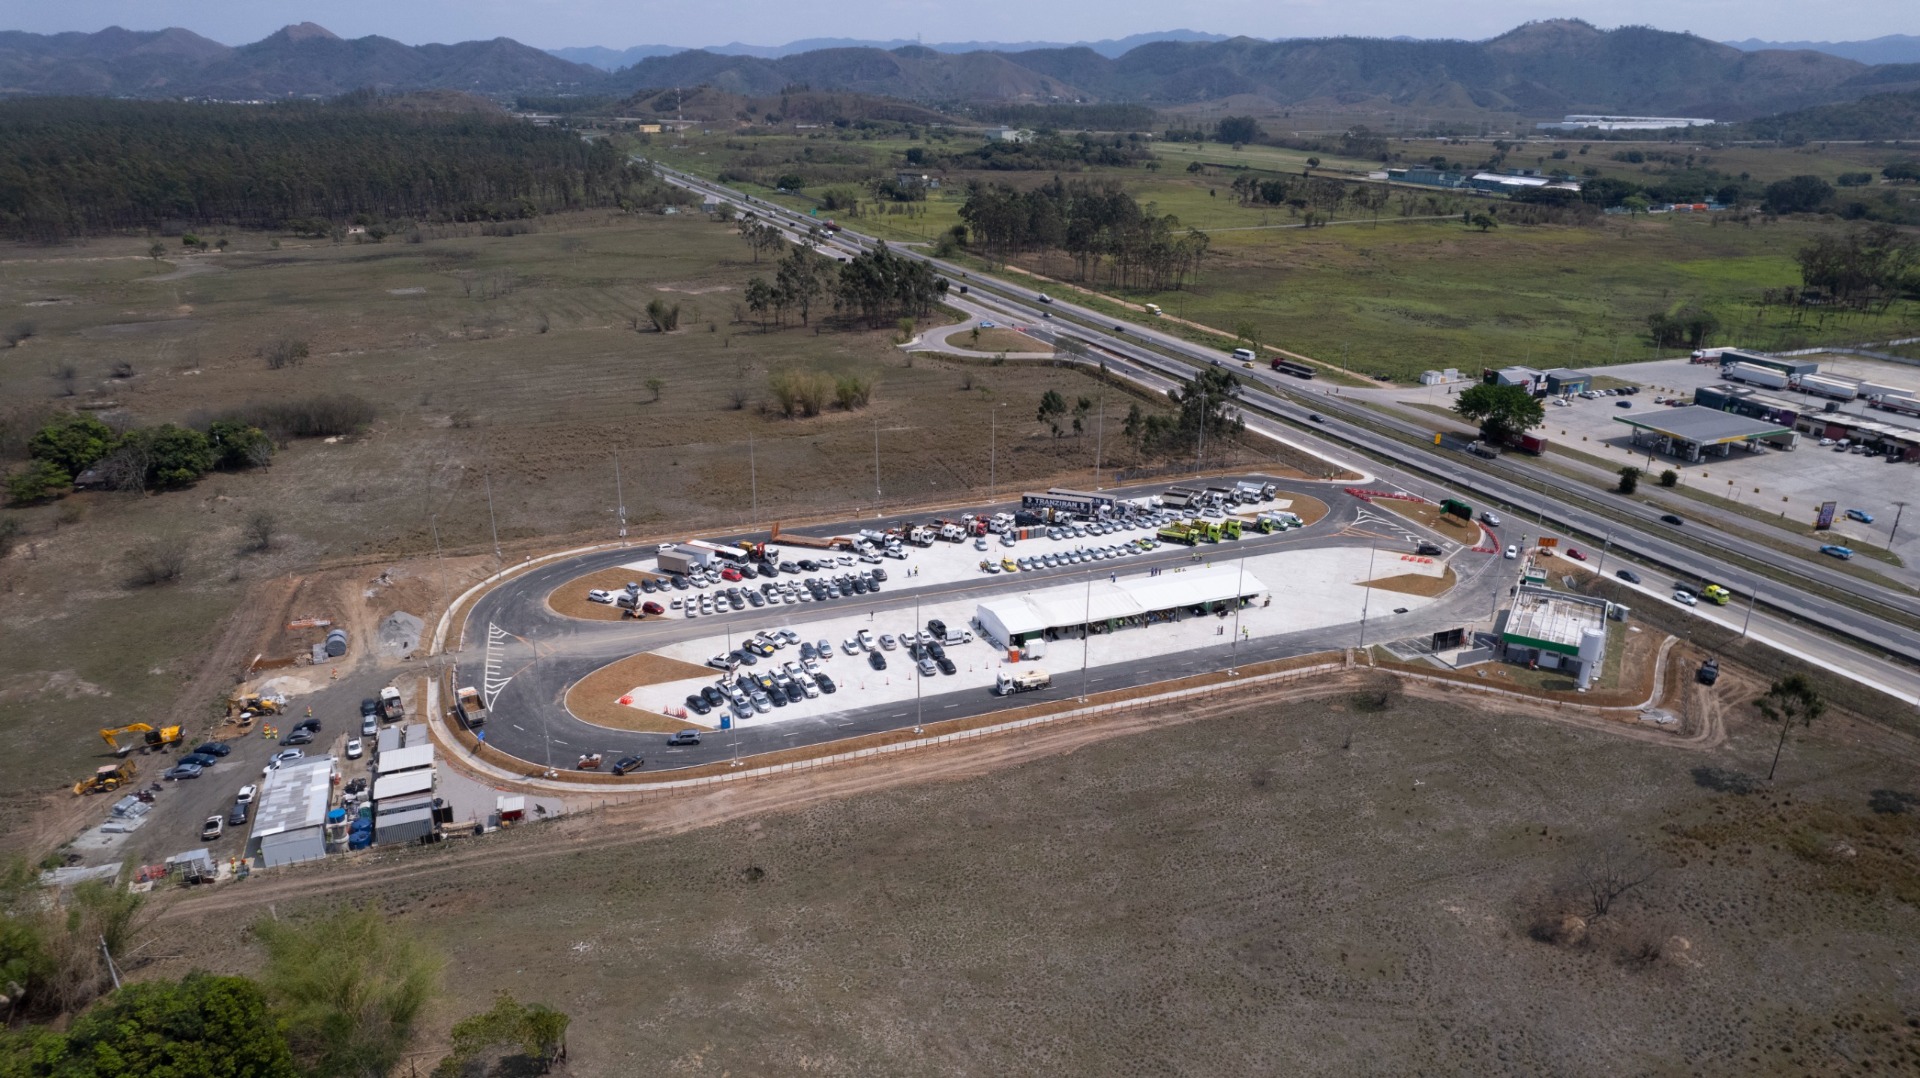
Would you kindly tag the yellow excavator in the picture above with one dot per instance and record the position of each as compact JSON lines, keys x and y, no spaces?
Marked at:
{"x":156,"y":739}
{"x":106,"y":778}
{"x":259,"y":705}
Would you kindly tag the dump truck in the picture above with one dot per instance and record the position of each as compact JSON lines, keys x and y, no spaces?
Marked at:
{"x":1716,"y":594}
{"x":1009,"y":682}
{"x":155,"y":739}
{"x":390,"y":707}
{"x":473,"y":709}
{"x":1229,"y":528}
{"x":1179,"y":532}
{"x":106,"y":778}
{"x":1205,"y":530}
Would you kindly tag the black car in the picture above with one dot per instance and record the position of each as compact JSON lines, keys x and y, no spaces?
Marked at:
{"x":745,"y":684}
{"x":808,"y":651}
{"x":238,"y":816}
{"x":873,"y":586}
{"x":777,"y":696}
{"x":298,"y":737}
{"x":745,"y":657}
{"x":1314,"y":417}
{"x":1429,"y":550}
{"x":795,"y":693}
{"x":934,"y":649}
{"x":876,"y":660}
{"x":713,"y":695}
{"x":202,"y":759}
{"x":368,"y":707}
{"x":878,"y":574}
{"x":1669,"y":518}
{"x":1629,"y":576}
{"x":808,"y":565}
{"x":649,"y":586}
{"x":698,"y":704}
{"x":938,"y":628}
{"x":826,"y":683}
{"x":680,"y":583}
{"x":946,"y":665}
{"x":214,"y":748}
{"x":627,"y":763}
{"x":861,"y":587}
{"x":747,"y":571}
{"x":314,"y":724}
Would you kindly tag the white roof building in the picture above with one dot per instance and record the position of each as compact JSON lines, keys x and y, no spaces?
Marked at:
{"x":1012,"y":619}
{"x":290,"y":820}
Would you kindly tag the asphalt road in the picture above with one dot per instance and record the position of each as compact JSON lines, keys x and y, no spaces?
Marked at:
{"x":542,"y":653}
{"x":1281,"y":407}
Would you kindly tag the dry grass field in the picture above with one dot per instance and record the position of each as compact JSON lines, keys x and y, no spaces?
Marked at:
{"x":508,"y":363}
{"x":1296,"y":886}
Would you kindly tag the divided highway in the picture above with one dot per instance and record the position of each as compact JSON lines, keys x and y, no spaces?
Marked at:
{"x":1275,"y":407}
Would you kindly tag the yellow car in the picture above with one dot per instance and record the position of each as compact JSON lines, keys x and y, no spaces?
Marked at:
{"x":1008,"y":565}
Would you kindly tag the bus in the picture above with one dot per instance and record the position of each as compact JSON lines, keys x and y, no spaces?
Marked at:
{"x":1297,"y":369}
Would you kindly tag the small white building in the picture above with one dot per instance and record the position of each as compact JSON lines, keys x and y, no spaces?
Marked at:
{"x":290,"y":820}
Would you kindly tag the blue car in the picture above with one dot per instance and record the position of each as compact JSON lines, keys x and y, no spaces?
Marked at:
{"x":1860,"y":515}
{"x":1841,"y":552}
{"x":200,"y":759}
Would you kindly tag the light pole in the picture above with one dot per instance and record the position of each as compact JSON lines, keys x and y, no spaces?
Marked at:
{"x":619,"y":497}
{"x":1086,"y":637}
{"x":1899,"y":508}
{"x":1601,"y":569}
{"x":919,"y":712}
{"x":1100,"y":429}
{"x":753,"y":480}
{"x":876,"y":459}
{"x":1233,"y":649}
{"x":993,"y":452}
{"x":1366,"y":600}
{"x":491,"y":522}
{"x":1753,"y":596}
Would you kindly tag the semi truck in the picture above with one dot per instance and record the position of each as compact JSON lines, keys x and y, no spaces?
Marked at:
{"x":920,"y":535}
{"x":1754,"y":375}
{"x":1008,"y":682}
{"x":472,"y":707}
{"x":391,"y":709}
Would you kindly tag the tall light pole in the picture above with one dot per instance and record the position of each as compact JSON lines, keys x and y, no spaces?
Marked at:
{"x":1233,"y":649}
{"x":491,"y":522}
{"x":993,"y":453}
{"x":1366,"y":601}
{"x":1899,"y":508}
{"x":876,"y":458}
{"x":1086,"y":637}
{"x":1601,"y":568}
{"x":1753,"y":596}
{"x":919,"y":712}
{"x":753,"y":480}
{"x":619,"y":497}
{"x":1100,"y":429}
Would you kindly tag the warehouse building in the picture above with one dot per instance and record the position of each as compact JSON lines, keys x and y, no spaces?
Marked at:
{"x":1694,"y":432}
{"x":1106,"y":606}
{"x":290,"y":821}
{"x":1557,"y":631}
{"x":1752,"y":403}
{"x":1564,"y":381}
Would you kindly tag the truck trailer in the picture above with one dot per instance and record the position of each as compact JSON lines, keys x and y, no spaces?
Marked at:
{"x":472,"y":708}
{"x":391,"y":709}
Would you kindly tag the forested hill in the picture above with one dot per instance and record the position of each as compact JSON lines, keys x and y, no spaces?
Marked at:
{"x":79,"y":166}
{"x":1875,"y":118}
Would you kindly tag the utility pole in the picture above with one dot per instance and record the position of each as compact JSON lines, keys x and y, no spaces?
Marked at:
{"x":1100,"y":429}
{"x":619,"y":497}
{"x":1233,"y":649}
{"x":753,"y":479}
{"x":993,"y":453}
{"x":1752,"y":597}
{"x":1366,"y":600}
{"x":1086,"y":637}
{"x":491,"y":521}
{"x":1899,"y":508}
{"x":876,"y":460}
{"x":1601,"y":569}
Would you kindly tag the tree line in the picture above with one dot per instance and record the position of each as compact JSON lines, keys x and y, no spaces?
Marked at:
{"x":73,"y":167}
{"x":166,"y":457}
{"x":875,"y":287}
{"x":1102,"y":228}
{"x":339,"y":996}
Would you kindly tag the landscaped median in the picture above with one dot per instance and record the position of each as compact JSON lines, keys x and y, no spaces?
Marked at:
{"x":614,"y":696}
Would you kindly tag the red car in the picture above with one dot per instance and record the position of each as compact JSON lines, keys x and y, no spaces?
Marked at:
{"x":729,"y":573}
{"x":652,"y":608}
{"x":1575,"y":554}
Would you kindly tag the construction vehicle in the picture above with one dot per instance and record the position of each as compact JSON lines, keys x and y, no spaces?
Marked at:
{"x":760,"y":551}
{"x":950,"y":531}
{"x":253,"y":702}
{"x":155,"y":739}
{"x":1709,"y":672}
{"x":390,"y":707}
{"x":473,"y":709}
{"x":921,"y":535}
{"x":1180,"y":532}
{"x":1008,"y":682}
{"x":1229,"y":528}
{"x":106,"y":778}
{"x":1716,"y":594}
{"x":1207,"y":531}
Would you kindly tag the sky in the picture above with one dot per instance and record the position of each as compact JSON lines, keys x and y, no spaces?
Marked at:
{"x":620,"y":23}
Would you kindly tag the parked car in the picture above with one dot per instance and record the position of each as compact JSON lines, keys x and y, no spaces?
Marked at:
{"x":369,"y":726}
{"x":237,"y":816}
{"x":213,"y":828}
{"x":183,"y":771}
{"x":298,"y":737}
{"x":876,"y":660}
{"x":887,"y":641}
{"x":627,"y":763}
{"x":200,"y":759}
{"x":313,"y":725}
{"x":698,"y":704}
{"x":927,"y":668}
{"x":600,"y":595}
{"x":826,"y":683}
{"x":369,"y":706}
{"x":245,"y":796}
{"x":215,"y":748}
{"x":652,"y":608}
{"x":353,"y":748}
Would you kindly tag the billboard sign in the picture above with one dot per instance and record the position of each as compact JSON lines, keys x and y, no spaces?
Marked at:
{"x":1825,"y":520}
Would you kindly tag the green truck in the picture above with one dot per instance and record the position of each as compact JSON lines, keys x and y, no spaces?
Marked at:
{"x":1179,"y":532}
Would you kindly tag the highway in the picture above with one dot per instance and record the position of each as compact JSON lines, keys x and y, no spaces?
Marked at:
{"x":1280,"y":407}
{"x":537,"y":654}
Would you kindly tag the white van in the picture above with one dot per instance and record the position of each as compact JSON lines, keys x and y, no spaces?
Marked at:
{"x":1244,"y":354}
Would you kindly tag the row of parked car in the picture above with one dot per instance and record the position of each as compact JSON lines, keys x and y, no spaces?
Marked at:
{"x":1076,"y":556}
{"x":735,"y":596}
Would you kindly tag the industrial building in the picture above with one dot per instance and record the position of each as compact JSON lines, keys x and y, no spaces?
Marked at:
{"x":403,"y":784}
{"x":290,"y":820}
{"x":1511,"y":182}
{"x":1752,"y":403}
{"x":1556,"y":631}
{"x":1598,"y":122}
{"x":1694,"y":432}
{"x":1015,"y":620}
{"x":1565,"y":381}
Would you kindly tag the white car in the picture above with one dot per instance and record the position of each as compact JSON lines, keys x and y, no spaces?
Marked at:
{"x":865,"y":636}
{"x":1513,"y":551}
{"x":851,"y":645}
{"x":600,"y":595}
{"x":353,"y":748}
{"x":980,"y":543}
{"x":886,"y":641}
{"x":246,"y":794}
{"x":1685,"y":598}
{"x":281,"y":758}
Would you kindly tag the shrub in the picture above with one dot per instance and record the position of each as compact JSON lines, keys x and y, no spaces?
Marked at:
{"x":798,"y":392}
{"x":158,"y":562}
{"x":1669,"y":478}
{"x":72,"y":442}
{"x":853,"y":392}
{"x":321,"y":416}
{"x":285,"y":352}
{"x":41,"y":480}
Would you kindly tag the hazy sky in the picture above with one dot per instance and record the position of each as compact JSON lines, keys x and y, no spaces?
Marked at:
{"x":617,"y":24}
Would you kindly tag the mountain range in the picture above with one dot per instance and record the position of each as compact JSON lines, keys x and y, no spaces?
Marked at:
{"x":1539,"y":69}
{"x":614,"y":59}
{"x":1891,"y":49}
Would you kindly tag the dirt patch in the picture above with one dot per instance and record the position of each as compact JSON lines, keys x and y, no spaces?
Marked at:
{"x":570,"y":599}
{"x":993,"y":341}
{"x":596,"y":697}
{"x":1429,"y":514}
{"x":1308,"y":508}
{"x":1416,"y":583}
